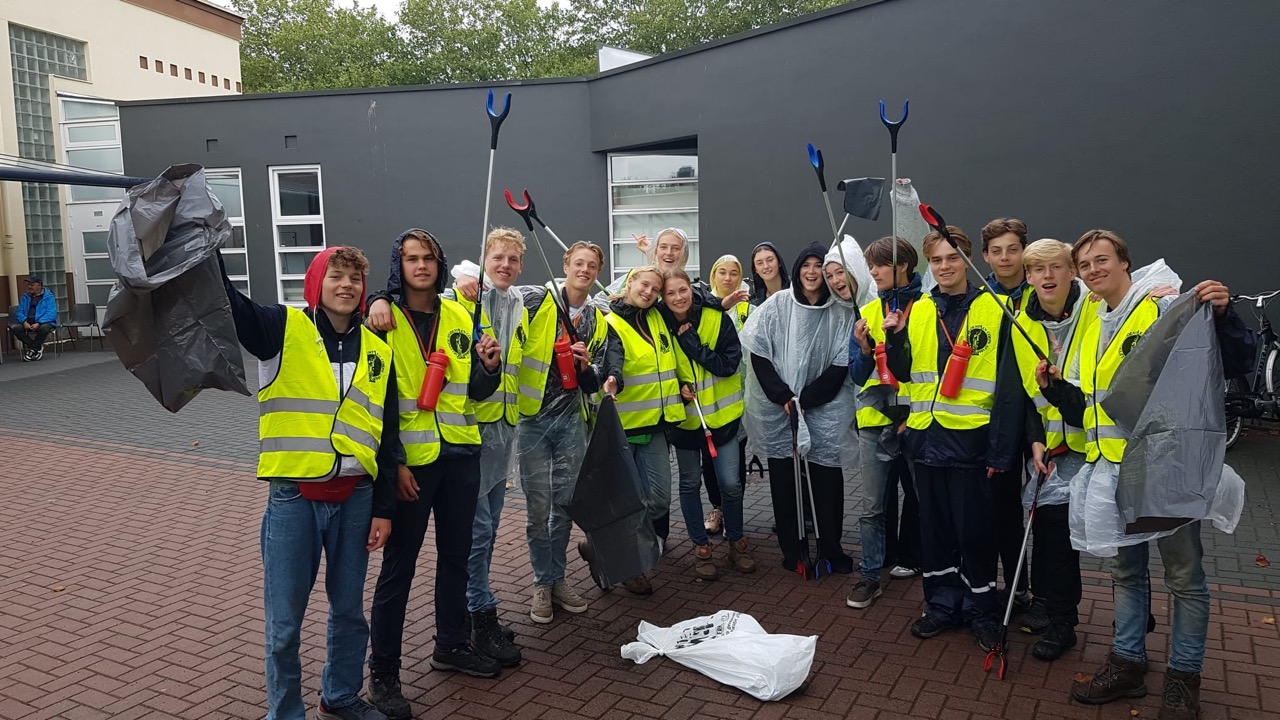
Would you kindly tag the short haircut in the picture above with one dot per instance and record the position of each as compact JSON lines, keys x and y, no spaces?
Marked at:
{"x":880,"y":253}
{"x":584,"y":246}
{"x":427,"y":239}
{"x":1046,"y":250}
{"x":1000,"y":226}
{"x":346,"y":256}
{"x":676,"y":274}
{"x":622,"y":292}
{"x":1093,"y":236}
{"x":934,"y":237}
{"x":504,"y":236}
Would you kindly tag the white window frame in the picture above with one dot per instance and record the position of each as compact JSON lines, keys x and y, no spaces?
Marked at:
{"x":615,"y":242}
{"x":277,"y":220}
{"x":236,"y":222}
{"x":64,"y":127}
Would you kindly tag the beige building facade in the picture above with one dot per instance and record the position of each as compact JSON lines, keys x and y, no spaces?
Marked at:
{"x":68,"y":62}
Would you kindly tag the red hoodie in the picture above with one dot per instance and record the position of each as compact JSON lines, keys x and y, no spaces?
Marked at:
{"x":314,"y":280}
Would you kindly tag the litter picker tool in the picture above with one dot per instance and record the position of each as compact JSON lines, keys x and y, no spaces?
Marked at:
{"x":533,"y":215}
{"x":804,"y":566}
{"x":936,"y":222}
{"x":996,"y":657}
{"x":711,"y":446}
{"x":495,"y":123}
{"x":528,"y":211}
{"x":893,"y":128}
{"x":819,"y":168}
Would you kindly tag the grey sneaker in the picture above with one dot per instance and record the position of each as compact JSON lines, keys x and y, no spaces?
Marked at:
{"x":358,"y":710}
{"x":901,"y":572}
{"x":567,"y":599}
{"x":540,"y":610}
{"x":864,"y":593}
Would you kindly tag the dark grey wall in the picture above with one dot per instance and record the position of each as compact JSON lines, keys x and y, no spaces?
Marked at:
{"x":1149,"y":117}
{"x":389,"y":161}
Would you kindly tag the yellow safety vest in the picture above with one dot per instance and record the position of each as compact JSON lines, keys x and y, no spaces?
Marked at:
{"x":971,"y":409}
{"x":1056,"y":429}
{"x":650,"y":389}
{"x":740,"y":313}
{"x":720,"y":397}
{"x":1098,"y":367}
{"x":874,"y":400}
{"x":453,"y":420}
{"x":305,"y":421}
{"x":504,"y":403}
{"x":535,"y":362}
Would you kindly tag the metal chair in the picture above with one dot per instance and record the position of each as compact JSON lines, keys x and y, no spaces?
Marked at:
{"x":83,"y":315}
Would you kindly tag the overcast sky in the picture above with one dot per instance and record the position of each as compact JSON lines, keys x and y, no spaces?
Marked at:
{"x":388,"y":8}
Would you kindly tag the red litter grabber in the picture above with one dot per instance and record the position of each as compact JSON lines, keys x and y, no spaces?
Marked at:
{"x":996,"y":658}
{"x":711,"y":447}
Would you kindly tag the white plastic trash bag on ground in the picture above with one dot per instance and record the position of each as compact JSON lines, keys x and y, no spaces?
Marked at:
{"x":731,"y":648}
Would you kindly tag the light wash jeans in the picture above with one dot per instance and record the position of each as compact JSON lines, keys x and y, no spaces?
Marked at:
{"x":497,"y":442}
{"x":295,"y":532}
{"x":1182,"y":555}
{"x":727,"y":476}
{"x":877,"y":448}
{"x":551,"y":452}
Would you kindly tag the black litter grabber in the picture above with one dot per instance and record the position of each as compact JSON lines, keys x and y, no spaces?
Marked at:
{"x":804,"y":565}
{"x":996,"y":657}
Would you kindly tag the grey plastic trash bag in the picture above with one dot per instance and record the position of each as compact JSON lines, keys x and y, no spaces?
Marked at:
{"x":609,"y":506}
{"x":1167,"y":397}
{"x":168,"y":317}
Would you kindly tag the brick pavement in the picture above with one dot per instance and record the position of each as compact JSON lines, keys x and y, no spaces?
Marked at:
{"x":130,"y":588}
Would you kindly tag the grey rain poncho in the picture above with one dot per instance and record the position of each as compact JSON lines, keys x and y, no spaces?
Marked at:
{"x":801,"y":341}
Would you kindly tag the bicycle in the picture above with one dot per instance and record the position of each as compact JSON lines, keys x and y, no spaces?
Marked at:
{"x":1257,"y":395}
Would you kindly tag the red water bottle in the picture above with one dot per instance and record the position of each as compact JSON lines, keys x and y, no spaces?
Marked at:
{"x":564,"y":363}
{"x":957,"y":366}
{"x":882,"y":367}
{"x":434,"y":381}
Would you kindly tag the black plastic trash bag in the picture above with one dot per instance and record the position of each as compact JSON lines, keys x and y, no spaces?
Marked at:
{"x":168,"y":317}
{"x":862,"y":196}
{"x":609,"y":507}
{"x":1167,"y":397}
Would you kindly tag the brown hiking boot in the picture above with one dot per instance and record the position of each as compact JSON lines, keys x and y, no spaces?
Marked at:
{"x":703,"y":566}
{"x":638,"y":585}
{"x":740,"y":556}
{"x":1118,"y":678}
{"x":1181,"y":699}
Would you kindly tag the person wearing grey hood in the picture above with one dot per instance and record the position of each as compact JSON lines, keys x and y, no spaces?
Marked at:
{"x":439,"y":474}
{"x":796,"y":344}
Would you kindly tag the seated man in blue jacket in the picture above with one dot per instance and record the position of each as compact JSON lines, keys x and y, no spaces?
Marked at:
{"x":37,"y":317}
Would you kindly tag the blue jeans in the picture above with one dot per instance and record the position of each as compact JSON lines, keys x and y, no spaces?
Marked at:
{"x":653,"y":460}
{"x":878,"y":448}
{"x":726,"y":465}
{"x":295,"y":531}
{"x":1182,"y":555}
{"x":497,"y":443}
{"x":551,"y":452}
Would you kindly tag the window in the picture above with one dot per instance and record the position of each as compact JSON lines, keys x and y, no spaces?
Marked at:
{"x":142,"y":62}
{"x":173,"y":70}
{"x":159,"y":66}
{"x":225,"y":184}
{"x":297,"y":219}
{"x":646,"y":194}
{"x":201,"y":77}
{"x":187,"y":72}
{"x":91,"y":140}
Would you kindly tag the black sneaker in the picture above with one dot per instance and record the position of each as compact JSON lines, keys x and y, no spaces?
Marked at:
{"x":864,"y":593}
{"x":1035,"y":620}
{"x":1057,"y":639}
{"x":386,"y":695}
{"x":927,"y":627}
{"x":507,"y":632}
{"x":358,"y":710}
{"x":465,"y":660}
{"x":987,"y":635}
{"x":37,"y":354}
{"x":487,"y":639}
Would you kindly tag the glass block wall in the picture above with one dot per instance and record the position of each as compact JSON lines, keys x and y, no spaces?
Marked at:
{"x":36,"y":55}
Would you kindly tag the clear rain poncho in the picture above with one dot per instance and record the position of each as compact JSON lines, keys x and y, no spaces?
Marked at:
{"x":801,"y":341}
{"x":850,"y":254}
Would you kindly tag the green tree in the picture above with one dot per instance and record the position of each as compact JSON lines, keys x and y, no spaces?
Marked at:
{"x":313,"y":45}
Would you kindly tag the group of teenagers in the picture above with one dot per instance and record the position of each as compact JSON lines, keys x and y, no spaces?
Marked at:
{"x":382,"y":410}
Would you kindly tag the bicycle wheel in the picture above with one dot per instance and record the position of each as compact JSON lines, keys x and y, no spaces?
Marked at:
{"x":1273,"y":370}
{"x":1235,"y":423}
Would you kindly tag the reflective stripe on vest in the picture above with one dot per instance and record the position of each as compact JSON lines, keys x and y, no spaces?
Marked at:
{"x":971,"y":408}
{"x":422,"y":431}
{"x":874,"y":399}
{"x":536,"y":361}
{"x":504,"y":403}
{"x":1057,"y":430}
{"x":720,"y":397}
{"x":649,"y":396}
{"x":302,"y":426}
{"x":1098,"y":367}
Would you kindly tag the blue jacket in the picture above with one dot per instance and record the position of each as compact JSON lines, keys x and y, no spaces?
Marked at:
{"x":46,"y":310}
